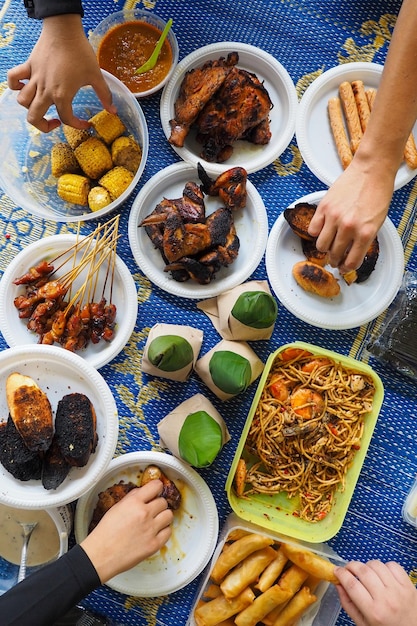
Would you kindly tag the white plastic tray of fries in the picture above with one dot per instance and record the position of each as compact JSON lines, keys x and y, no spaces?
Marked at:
{"x":258,"y":577}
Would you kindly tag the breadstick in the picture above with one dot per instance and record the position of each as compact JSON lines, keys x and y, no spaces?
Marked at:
{"x":410,"y":149}
{"x":351,"y":115}
{"x":361,"y":103}
{"x":338,"y":131}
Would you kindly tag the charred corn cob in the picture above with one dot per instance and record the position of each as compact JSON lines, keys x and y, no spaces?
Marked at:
{"x":63,"y":160}
{"x":75,"y":136}
{"x":107,"y":126}
{"x":93,"y":157}
{"x":126,"y":151}
{"x":98,"y":198}
{"x":74,"y":188}
{"x":116,"y":181}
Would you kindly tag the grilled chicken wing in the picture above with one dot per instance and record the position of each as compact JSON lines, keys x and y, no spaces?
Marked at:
{"x":230,"y":186}
{"x":196,"y":89}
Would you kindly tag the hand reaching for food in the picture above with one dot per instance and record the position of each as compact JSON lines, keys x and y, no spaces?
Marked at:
{"x":377,"y":593}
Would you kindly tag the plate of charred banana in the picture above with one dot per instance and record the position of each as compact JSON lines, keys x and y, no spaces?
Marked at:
{"x":194,"y":235}
{"x":315,"y":292}
{"x":332,"y":116}
{"x":194,"y":528}
{"x":58,"y":428}
{"x":228,"y":104}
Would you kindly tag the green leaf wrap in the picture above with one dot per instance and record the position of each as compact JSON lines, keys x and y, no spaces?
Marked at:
{"x":170,"y":353}
{"x":230,"y":372}
{"x":257,"y":309}
{"x":200,"y":439}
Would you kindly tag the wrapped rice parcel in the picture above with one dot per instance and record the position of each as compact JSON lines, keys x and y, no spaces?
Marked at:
{"x":171,"y":351}
{"x":194,"y":432}
{"x":229,"y":368}
{"x":245,"y":313}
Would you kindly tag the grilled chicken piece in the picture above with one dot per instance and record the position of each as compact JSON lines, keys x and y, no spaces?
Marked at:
{"x":75,"y":428}
{"x":196,"y":89}
{"x":31,"y":411}
{"x":299,"y":218}
{"x":107,"y":498}
{"x":366,"y":268}
{"x":315,"y":279}
{"x":241,"y":103}
{"x":169,"y":491}
{"x":230,"y":186}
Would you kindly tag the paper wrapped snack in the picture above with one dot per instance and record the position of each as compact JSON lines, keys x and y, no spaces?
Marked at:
{"x":194,"y":432}
{"x":171,"y":351}
{"x":229,"y":368}
{"x":245,"y":313}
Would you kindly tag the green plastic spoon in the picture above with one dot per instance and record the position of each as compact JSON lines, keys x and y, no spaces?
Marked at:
{"x":151,"y":62}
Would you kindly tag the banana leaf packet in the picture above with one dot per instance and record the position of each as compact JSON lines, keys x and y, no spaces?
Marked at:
{"x":171,"y":351}
{"x":194,"y":431}
{"x":396,"y":341}
{"x":229,"y":368}
{"x":247,"y":312}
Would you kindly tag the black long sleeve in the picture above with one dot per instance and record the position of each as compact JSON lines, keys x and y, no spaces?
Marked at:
{"x":46,"y":8}
{"x":49,"y":593}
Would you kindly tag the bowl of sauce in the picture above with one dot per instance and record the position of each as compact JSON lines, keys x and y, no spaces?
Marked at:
{"x":125,"y":40}
{"x":48,"y":541}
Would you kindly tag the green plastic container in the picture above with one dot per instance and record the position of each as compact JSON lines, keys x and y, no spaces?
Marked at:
{"x":275,"y":512}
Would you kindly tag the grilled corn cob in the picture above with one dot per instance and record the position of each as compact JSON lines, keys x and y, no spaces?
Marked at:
{"x":98,"y":198}
{"x":116,"y":181}
{"x":63,"y":160}
{"x":74,"y":188}
{"x":75,"y":136}
{"x":107,"y":126}
{"x":126,"y":152}
{"x":93,"y":157}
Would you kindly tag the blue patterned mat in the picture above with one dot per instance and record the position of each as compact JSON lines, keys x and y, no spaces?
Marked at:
{"x":307,"y":37}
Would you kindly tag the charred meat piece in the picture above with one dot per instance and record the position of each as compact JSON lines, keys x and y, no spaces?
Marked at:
{"x":197,"y":87}
{"x":241,"y":103}
{"x":366,"y":268}
{"x":230,"y":186}
{"x":44,"y":269}
{"x":75,"y":428}
{"x":15,"y":457}
{"x":299,"y":218}
{"x":201,"y":273}
{"x":169,"y":491}
{"x":107,"y":498}
{"x":55,"y":467}
{"x":315,"y":279}
{"x":312,"y":254}
{"x":260,"y":134}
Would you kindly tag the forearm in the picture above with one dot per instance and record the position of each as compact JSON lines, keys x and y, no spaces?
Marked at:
{"x":45,"y":8}
{"x":395,"y":109}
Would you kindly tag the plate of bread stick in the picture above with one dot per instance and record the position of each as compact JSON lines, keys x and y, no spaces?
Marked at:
{"x":332,"y":117}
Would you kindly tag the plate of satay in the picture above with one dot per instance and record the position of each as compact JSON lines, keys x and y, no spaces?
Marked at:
{"x":196,"y":236}
{"x":328,"y":137}
{"x":349,"y":300}
{"x":200,"y":117}
{"x":70,"y":291}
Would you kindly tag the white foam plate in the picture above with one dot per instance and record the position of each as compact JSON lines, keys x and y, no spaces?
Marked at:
{"x":281,"y":90}
{"x":59,"y":372}
{"x":194,"y":531}
{"x":314,"y":136}
{"x":356,"y":304}
{"x":124,"y":296}
{"x":251,"y":226}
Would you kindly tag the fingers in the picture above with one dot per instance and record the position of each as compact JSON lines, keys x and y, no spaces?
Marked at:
{"x":16,"y":76}
{"x":104,"y":94}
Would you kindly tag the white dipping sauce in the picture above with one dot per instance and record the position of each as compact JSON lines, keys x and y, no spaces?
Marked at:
{"x":44,"y":542}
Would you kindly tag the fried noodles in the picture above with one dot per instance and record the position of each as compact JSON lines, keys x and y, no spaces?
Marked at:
{"x":306,"y":430}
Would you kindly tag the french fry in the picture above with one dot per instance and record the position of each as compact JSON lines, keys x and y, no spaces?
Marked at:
{"x":295,"y":608}
{"x":338,"y":130}
{"x":262,"y":605}
{"x":272,"y":571}
{"x":214,"y":612}
{"x":238,"y":551}
{"x":351,"y":114}
{"x":361,"y":103}
{"x":310,"y":562}
{"x":247,"y":572}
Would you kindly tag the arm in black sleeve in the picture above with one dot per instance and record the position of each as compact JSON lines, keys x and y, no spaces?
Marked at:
{"x":46,"y":8}
{"x":49,"y":593}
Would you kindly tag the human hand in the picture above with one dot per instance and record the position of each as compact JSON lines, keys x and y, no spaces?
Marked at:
{"x":348,"y":217}
{"x":131,"y":531}
{"x":377,"y":594}
{"x":61,"y":62}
